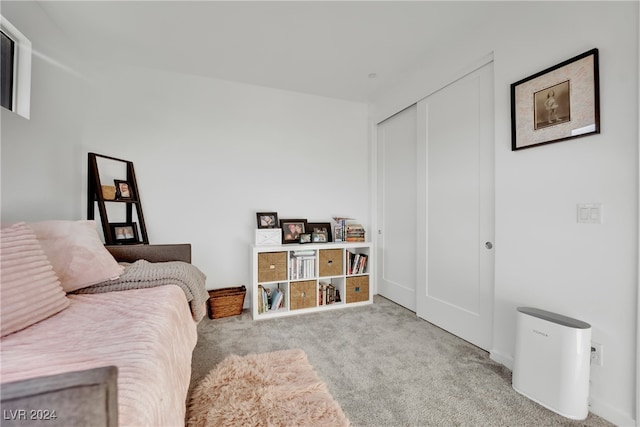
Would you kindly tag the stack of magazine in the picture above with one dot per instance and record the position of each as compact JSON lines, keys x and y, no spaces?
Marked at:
{"x":344,"y":231}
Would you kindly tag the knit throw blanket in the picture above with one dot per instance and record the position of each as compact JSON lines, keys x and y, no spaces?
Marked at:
{"x":143,"y":274}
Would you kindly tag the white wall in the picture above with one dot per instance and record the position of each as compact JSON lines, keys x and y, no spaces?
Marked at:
{"x":209,"y":154}
{"x":543,"y":257}
{"x":40,"y":156}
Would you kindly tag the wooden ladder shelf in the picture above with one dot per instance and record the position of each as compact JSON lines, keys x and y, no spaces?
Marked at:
{"x":95,"y":194}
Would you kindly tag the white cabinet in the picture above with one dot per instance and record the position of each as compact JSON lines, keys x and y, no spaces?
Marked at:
{"x":303,"y":278}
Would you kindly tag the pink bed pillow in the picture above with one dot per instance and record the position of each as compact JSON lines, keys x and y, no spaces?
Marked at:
{"x":30,"y":289}
{"x":76,"y":253}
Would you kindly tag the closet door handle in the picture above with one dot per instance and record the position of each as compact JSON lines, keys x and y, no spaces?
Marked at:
{"x":488,"y":245}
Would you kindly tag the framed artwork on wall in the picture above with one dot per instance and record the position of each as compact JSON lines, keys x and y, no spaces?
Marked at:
{"x":557,"y":104}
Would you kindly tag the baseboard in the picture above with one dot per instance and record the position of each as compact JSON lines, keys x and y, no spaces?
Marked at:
{"x":501,"y":358}
{"x":610,"y":413}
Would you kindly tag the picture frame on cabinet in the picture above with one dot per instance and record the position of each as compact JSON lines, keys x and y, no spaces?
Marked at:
{"x":124,"y":232}
{"x":267,"y":219}
{"x":320,"y":228}
{"x":292,"y":229}
{"x":320,"y":237}
{"x":559,"y":103}
{"x":305,"y":238}
{"x":123,"y":190}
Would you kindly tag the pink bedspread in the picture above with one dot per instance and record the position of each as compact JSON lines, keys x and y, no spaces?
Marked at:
{"x":148,"y":334}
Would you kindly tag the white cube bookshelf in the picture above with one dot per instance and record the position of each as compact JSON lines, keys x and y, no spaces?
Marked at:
{"x":310,"y":277}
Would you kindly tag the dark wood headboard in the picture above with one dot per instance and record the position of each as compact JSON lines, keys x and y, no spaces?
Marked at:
{"x":151,"y":253}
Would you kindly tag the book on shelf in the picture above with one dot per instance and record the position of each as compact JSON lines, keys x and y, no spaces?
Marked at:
{"x":340,"y":227}
{"x":348,"y":231}
{"x":277,"y":299}
{"x":326,"y":294}
{"x":302,"y":266}
{"x":305,"y":252}
{"x":354,"y":233}
{"x":356,"y":262}
{"x":270,"y":299}
{"x":263,"y":299}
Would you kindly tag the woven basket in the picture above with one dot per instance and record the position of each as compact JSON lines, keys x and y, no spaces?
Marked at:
{"x":303,"y":294}
{"x":226,"y":302}
{"x":357,"y":289}
{"x":272,"y":266}
{"x":109,"y":192}
{"x":330,"y":262}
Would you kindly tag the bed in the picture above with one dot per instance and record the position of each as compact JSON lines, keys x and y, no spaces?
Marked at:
{"x":140,"y":338}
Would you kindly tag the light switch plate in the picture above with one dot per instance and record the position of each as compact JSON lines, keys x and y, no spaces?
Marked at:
{"x":589,"y":213}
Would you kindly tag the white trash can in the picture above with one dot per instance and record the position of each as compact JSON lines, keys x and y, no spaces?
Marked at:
{"x":552,"y":361}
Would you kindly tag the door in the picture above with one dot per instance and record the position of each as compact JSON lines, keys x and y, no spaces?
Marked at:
{"x":396,"y":237}
{"x":456,"y":208}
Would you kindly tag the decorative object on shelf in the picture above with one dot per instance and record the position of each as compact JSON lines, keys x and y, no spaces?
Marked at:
{"x":97,"y":197}
{"x":320,"y":232}
{"x":123,"y":190}
{"x":268,"y":236}
{"x":109,"y":192}
{"x":124,"y":232}
{"x":305,"y":238}
{"x":267,"y":219}
{"x":320,"y":237}
{"x":226,"y":302}
{"x":337,"y":297}
{"x":292,"y":229}
{"x":556,"y":104}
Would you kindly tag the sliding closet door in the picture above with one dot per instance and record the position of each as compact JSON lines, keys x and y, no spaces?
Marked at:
{"x":456,"y":208}
{"x":396,"y":236}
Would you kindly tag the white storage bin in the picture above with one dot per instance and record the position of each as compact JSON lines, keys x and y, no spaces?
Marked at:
{"x":552,"y":361}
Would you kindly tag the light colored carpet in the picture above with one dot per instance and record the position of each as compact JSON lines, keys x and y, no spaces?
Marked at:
{"x":385,"y":367}
{"x":269,"y":389}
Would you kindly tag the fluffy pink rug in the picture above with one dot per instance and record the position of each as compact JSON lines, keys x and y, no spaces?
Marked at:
{"x":269,"y":389}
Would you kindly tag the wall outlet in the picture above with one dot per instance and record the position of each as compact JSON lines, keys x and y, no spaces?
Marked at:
{"x":596,"y":354}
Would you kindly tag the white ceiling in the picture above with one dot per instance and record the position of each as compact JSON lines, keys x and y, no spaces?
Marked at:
{"x":325,"y":48}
